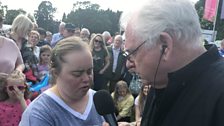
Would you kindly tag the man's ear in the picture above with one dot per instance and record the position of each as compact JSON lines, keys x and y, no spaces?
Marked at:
{"x":166,"y":42}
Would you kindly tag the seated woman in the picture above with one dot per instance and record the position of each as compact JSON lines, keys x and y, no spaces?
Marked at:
{"x":70,"y":101}
{"x":123,"y":100}
{"x":140,"y":102}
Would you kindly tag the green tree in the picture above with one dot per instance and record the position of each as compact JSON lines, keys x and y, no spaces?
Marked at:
{"x":11,"y":15}
{"x":44,"y":15}
{"x":3,"y":9}
{"x":64,"y":18}
{"x":86,"y":14}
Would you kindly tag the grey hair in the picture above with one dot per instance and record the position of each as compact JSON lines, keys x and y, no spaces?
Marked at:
{"x":106,"y":33}
{"x":178,"y":18}
{"x":85,"y":30}
{"x":62,"y":24}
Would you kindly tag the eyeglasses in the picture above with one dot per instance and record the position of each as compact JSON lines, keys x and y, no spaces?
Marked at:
{"x":98,"y":41}
{"x":128,"y":54}
{"x":11,"y":88}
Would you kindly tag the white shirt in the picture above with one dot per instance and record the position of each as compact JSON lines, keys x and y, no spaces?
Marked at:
{"x":115,"y":55}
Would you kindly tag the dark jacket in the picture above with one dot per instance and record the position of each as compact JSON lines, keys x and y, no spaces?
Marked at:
{"x":120,"y":66}
{"x":194,"y":95}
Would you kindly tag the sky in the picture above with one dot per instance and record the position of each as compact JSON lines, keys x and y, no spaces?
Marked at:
{"x":66,"y":5}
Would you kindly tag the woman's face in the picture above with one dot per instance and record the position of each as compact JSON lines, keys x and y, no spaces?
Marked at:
{"x":145,"y":90}
{"x":98,"y":41}
{"x":76,"y":75}
{"x":33,"y":39}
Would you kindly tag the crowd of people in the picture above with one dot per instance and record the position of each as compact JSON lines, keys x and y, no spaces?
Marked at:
{"x":161,"y":74}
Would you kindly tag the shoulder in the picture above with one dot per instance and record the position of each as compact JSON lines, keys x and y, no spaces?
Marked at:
{"x":130,"y":97}
{"x":40,"y":105}
{"x":8,"y":41}
{"x":39,"y":111}
{"x":56,"y":34}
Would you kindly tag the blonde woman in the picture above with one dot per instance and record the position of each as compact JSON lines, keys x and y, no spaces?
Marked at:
{"x":100,"y":61}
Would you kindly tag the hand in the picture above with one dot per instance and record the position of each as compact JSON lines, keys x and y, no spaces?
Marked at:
{"x":19,"y":94}
{"x":124,"y":124}
{"x":101,"y":72}
{"x":105,"y":124}
{"x":3,"y":75}
{"x":119,"y":124}
{"x":19,"y":72}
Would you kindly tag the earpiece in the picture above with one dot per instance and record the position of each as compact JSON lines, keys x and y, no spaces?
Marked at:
{"x":163,"y":48}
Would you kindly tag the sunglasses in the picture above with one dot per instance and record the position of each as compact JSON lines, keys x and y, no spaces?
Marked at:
{"x":98,"y":41}
{"x":11,"y":88}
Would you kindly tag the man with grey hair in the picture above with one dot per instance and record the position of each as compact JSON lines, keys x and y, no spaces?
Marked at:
{"x":164,"y":46}
{"x":84,"y":34}
{"x":115,"y":70}
{"x":58,"y":36}
{"x":107,"y":38}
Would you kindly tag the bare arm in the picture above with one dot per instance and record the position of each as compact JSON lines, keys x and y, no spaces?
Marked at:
{"x":107,"y":63}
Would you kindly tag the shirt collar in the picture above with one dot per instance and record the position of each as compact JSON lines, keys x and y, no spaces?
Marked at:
{"x":195,"y":68}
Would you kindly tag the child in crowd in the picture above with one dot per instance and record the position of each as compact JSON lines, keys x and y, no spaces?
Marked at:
{"x":43,"y":66}
{"x":123,"y":100}
{"x":140,"y":101}
{"x":13,"y":98}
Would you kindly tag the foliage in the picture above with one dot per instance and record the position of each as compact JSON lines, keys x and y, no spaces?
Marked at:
{"x":3,"y":9}
{"x":64,"y":17}
{"x":11,"y":15}
{"x":44,"y":16}
{"x":209,"y":25}
{"x":88,"y":15}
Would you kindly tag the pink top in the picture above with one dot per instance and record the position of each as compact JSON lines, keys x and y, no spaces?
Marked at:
{"x":10,"y":114}
{"x":10,"y":55}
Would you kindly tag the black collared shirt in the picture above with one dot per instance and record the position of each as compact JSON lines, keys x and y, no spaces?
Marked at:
{"x":194,"y":95}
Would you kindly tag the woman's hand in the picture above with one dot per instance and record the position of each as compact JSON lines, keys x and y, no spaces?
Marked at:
{"x":20,"y":96}
{"x":101,"y":72}
{"x":119,"y":124}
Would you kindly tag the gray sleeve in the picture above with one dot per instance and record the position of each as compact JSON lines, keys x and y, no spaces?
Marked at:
{"x":36,"y":118}
{"x":38,"y":113}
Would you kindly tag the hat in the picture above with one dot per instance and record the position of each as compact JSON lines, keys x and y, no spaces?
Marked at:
{"x":70,"y":26}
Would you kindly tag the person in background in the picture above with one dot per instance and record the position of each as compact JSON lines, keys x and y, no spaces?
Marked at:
{"x":48,"y":38}
{"x":43,"y":35}
{"x":11,"y":58}
{"x":77,"y":32}
{"x":58,"y":36}
{"x":33,"y":39}
{"x":140,"y":101}
{"x":85,"y":35}
{"x":2,"y":32}
{"x":164,"y":45}
{"x":70,"y":101}
{"x":21,"y":28}
{"x":35,"y":26}
{"x":43,"y":66}
{"x":14,"y":98}
{"x":221,"y":50}
{"x":101,"y":61}
{"x":69,"y":30}
{"x":116,"y":68}
{"x":123,"y":101}
{"x":107,"y":38}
